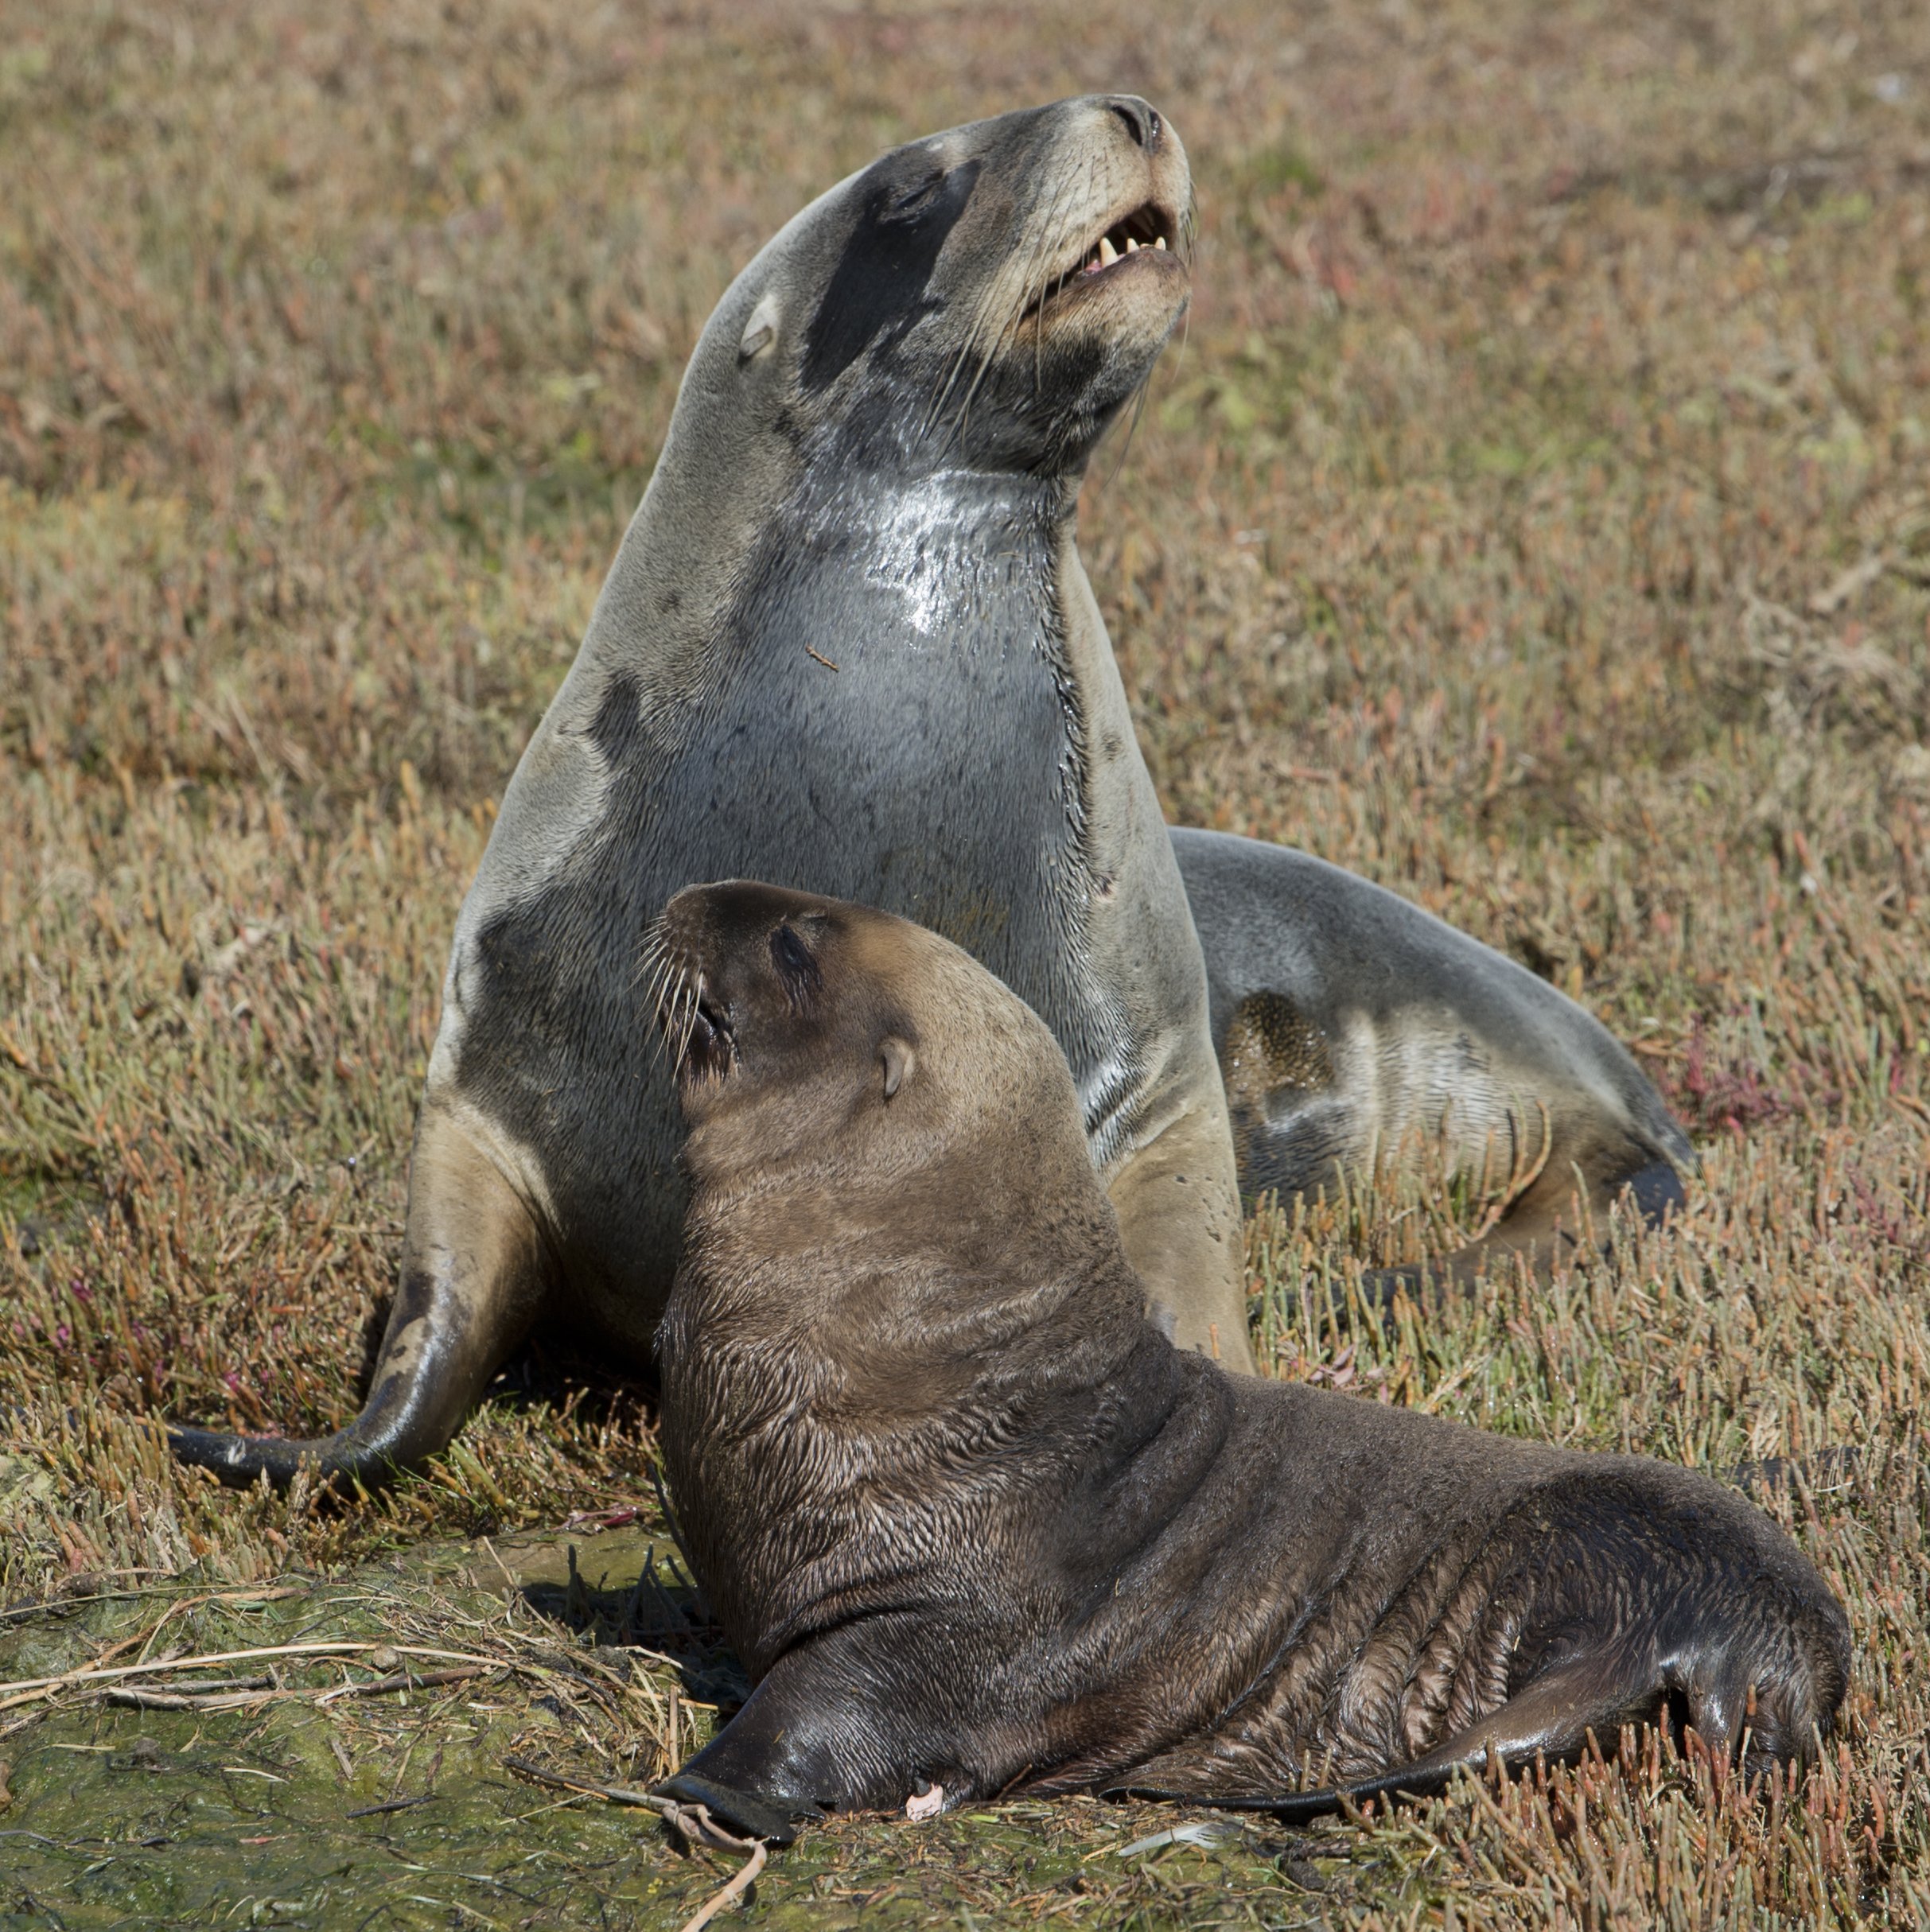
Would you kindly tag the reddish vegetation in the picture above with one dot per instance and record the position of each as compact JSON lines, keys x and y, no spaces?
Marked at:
{"x":1537,"y":520}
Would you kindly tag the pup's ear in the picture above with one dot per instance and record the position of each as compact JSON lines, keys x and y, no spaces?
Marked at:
{"x":899,"y":1062}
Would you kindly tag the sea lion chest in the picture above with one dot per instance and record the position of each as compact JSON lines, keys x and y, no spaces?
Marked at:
{"x":890,"y":714}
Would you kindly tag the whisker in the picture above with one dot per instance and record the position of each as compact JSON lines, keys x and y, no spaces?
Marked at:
{"x":694,"y":994}
{"x":649,"y":955}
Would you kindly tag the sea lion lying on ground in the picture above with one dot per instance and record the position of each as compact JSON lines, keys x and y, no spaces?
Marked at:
{"x":973,"y":1524}
{"x":848,"y":643}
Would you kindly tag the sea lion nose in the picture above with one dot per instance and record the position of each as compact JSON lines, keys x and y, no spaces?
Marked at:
{"x":1141,"y":118}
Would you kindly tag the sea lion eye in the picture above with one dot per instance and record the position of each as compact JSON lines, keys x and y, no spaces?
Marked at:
{"x":879,"y":289}
{"x":906,"y":203}
{"x":796,"y":967}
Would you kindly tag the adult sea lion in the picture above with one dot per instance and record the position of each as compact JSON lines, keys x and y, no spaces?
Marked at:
{"x":974,"y":1524}
{"x":847,"y":643}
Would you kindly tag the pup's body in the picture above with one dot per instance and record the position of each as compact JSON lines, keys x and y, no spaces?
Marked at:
{"x":972,"y":1521}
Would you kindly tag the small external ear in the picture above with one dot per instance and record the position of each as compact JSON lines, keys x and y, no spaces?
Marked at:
{"x":899,"y":1061}
{"x":761,"y":331}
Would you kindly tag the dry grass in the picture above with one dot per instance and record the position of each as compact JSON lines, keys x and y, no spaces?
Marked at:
{"x":1538,"y":520}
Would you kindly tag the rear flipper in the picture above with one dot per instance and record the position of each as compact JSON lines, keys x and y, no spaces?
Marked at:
{"x":1351,"y":1025}
{"x":1552,"y":1719}
{"x":474,"y":1275}
{"x":1545,"y":1222}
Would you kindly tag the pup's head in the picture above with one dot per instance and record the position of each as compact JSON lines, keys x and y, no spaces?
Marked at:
{"x":811,"y":1033}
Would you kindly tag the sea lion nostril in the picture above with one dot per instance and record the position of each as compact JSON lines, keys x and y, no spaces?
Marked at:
{"x":1142,"y":122}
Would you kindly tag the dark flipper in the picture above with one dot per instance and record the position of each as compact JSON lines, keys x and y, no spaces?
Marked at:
{"x":473,"y":1276}
{"x":849,"y":1721}
{"x":737,"y":1811}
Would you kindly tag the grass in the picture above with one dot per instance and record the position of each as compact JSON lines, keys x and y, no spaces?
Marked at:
{"x":1537,"y":520}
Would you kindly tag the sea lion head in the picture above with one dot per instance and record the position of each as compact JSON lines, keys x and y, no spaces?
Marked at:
{"x":986,"y":297}
{"x":810,"y":1033}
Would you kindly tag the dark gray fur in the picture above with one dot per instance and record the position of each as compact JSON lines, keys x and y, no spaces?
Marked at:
{"x":1399,"y":1025}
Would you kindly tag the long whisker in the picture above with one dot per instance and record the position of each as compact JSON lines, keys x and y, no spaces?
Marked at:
{"x":659,"y":988}
{"x":668,"y":989}
{"x":649,"y":955}
{"x":695,"y":993}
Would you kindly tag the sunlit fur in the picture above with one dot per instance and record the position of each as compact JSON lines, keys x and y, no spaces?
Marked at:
{"x":975,"y":1523}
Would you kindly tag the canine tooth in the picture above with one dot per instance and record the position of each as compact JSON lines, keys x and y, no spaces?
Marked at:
{"x":1159,"y":241}
{"x":1132,"y":247}
{"x":1107,"y":252}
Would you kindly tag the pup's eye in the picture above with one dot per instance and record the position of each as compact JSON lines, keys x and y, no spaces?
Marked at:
{"x":796,"y":967}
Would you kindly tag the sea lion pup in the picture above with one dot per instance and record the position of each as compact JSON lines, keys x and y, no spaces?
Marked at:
{"x":973,"y":1524}
{"x":848,"y":643}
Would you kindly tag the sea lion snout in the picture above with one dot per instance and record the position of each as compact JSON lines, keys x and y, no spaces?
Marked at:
{"x":1008,"y":285}
{"x":738,"y":971}
{"x":778,"y":1018}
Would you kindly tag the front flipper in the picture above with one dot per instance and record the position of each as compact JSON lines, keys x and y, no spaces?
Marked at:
{"x":1177,"y":1198}
{"x":852,"y":1720}
{"x":474,"y":1275}
{"x":748,"y":1817}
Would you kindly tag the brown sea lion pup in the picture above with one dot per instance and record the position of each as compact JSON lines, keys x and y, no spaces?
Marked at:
{"x":973,"y":1524}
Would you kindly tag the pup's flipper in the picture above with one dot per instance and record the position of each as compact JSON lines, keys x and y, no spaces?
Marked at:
{"x":1550,"y":1719}
{"x":737,"y":1811}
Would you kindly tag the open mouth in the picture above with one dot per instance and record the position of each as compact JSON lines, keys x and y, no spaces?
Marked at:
{"x":709,"y":1051}
{"x":1148,"y":228}
{"x":696,"y":1029}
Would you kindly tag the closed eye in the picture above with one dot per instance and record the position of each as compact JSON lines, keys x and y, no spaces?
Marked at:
{"x":796,"y":967}
{"x":906,"y":203}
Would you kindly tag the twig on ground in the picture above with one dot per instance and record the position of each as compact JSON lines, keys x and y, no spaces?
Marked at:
{"x":390,"y":1804}
{"x":31,"y":1690}
{"x":741,"y":1882}
{"x":693,"y":1822}
{"x":233,"y":1693}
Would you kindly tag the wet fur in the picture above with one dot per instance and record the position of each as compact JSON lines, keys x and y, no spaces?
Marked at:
{"x":973,"y":1522}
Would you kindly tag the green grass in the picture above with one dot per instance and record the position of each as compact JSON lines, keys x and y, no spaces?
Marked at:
{"x":1536,"y":519}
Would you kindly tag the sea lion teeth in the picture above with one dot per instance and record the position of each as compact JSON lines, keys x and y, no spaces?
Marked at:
{"x":1107,"y":254}
{"x":1159,"y":241}
{"x":1132,"y":247}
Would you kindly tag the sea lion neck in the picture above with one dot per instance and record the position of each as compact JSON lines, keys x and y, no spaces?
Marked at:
{"x":888,"y":512}
{"x":906,"y":557}
{"x":929,"y":1398}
